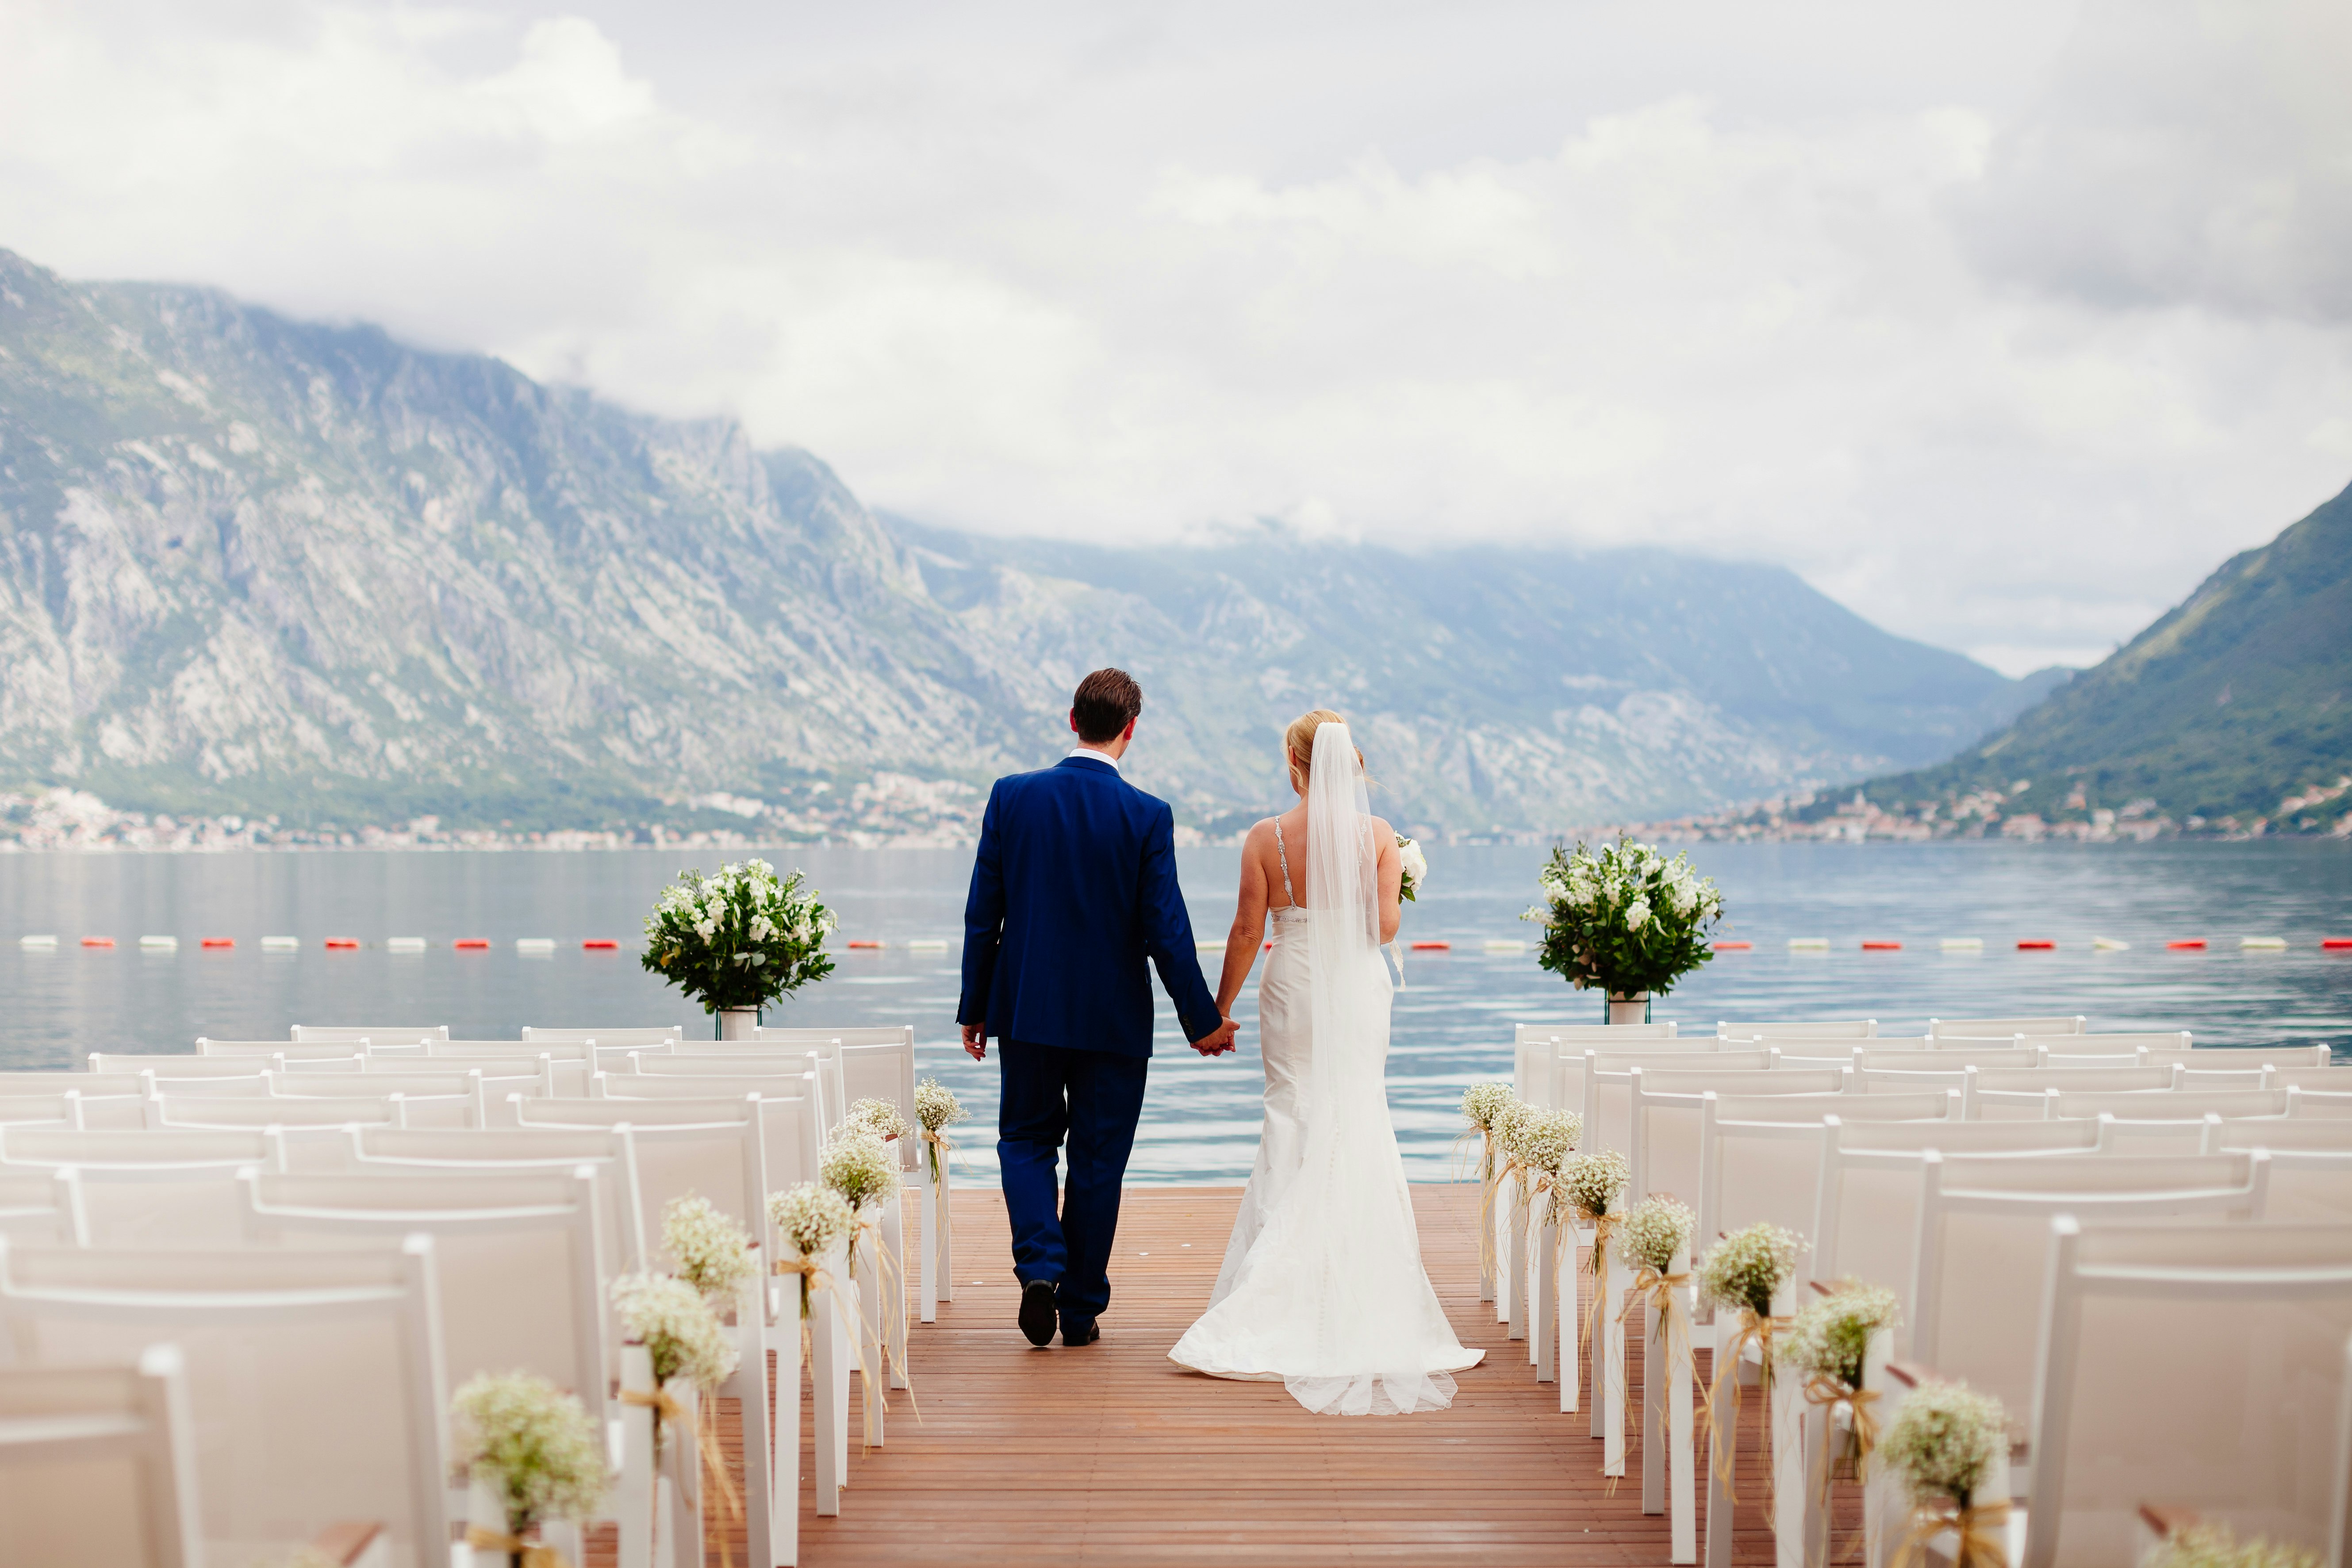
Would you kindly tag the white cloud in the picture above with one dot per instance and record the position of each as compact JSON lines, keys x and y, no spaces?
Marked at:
{"x":2001,"y":328}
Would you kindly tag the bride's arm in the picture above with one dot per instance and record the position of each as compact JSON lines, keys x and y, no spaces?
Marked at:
{"x":1249,"y":920}
{"x":1391,"y":879}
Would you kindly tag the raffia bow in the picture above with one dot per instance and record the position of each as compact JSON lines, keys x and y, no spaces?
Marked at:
{"x":893,"y":1336}
{"x":1604,"y":1226}
{"x":714,"y":1469}
{"x":532,"y":1553}
{"x":1978,"y":1542}
{"x":938,"y":1149}
{"x":1488,"y":1180}
{"x":1757,"y":1329}
{"x":1653,"y":1289}
{"x":1862,"y":1440}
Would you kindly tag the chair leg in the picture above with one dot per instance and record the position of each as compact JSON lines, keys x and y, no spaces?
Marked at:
{"x":1787,"y":1458}
{"x":929,"y":1243}
{"x":784,"y":1447}
{"x":1653,"y":1411}
{"x":1517,"y":1316}
{"x":1500,"y":1219}
{"x":1683,"y":1526}
{"x":750,"y":1388}
{"x":1544,"y":1338}
{"x":1612,"y":1335}
{"x":875,"y":1390}
{"x":830,"y":1381}
{"x":637,"y":1496}
{"x":890,"y":1314}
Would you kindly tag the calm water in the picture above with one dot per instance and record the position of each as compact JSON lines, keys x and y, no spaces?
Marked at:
{"x":1453,"y":1023}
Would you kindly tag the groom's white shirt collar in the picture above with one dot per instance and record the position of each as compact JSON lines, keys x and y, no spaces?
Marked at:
{"x":1091,"y":754}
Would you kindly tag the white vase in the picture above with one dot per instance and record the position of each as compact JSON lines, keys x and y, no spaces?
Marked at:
{"x":1634,"y":1008}
{"x":739,"y":1023}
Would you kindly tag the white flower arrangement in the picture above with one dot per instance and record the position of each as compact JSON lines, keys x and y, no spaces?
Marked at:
{"x":859,"y":1166}
{"x":1416,"y":869}
{"x":811,"y":1217}
{"x":879,"y":1117}
{"x":1749,"y":1267}
{"x":1509,"y":1122}
{"x":1941,"y":1442}
{"x":1589,"y":1183}
{"x":936,"y":1106}
{"x":2214,"y":1546}
{"x":533,"y":1445}
{"x":1827,"y":1336}
{"x":677,"y":1328}
{"x":744,"y":938}
{"x":1658,"y":1227}
{"x":712,"y":1251}
{"x":1545,"y":1138}
{"x":1482,"y":1102}
{"x":1623,"y":918}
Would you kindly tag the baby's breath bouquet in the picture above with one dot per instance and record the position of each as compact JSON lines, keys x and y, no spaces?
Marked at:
{"x":861,"y":1168}
{"x":1824,"y":1345}
{"x":533,"y":1445}
{"x":2214,"y":1546}
{"x":937,"y":1108}
{"x":1483,"y":1104}
{"x":712,"y":1251}
{"x":740,"y":939}
{"x":1748,"y":1268}
{"x":810,"y":1217}
{"x":1589,"y":1183}
{"x":1941,"y":1446}
{"x":680,"y":1331}
{"x":1657,"y":1228}
{"x":1623,"y":918}
{"x":879,"y":1117}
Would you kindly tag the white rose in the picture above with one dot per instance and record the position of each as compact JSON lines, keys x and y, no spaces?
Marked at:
{"x":1416,"y":864}
{"x":1637,"y":914}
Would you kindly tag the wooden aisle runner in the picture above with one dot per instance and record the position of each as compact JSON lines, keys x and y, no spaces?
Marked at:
{"x":1112,"y":1454}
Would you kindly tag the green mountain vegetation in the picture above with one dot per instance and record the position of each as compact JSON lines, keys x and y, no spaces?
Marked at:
{"x":2234,"y":710}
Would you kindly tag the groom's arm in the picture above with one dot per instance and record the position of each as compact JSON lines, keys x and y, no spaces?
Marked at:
{"x":983,"y":931}
{"x":1168,"y":935}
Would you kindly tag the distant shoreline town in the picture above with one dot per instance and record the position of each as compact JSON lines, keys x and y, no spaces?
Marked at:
{"x":897,"y":811}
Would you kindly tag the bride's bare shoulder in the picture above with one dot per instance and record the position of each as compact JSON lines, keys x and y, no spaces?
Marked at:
{"x":1381,"y":832}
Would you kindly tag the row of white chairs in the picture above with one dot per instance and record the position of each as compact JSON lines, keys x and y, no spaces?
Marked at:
{"x":520,"y":1228}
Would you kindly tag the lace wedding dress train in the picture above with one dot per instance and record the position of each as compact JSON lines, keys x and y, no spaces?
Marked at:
{"x":1322,"y":1288}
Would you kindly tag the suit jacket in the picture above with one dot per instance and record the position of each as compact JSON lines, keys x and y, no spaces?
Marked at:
{"x":1075,"y":886}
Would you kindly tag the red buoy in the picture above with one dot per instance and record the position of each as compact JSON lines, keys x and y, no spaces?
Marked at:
{"x":218,"y":942}
{"x":2035,"y":946}
{"x":1733,"y":946}
{"x":343,"y":944}
{"x":472,"y":945}
{"x":1882,"y":947}
{"x":2186,"y":944}
{"x":1432,"y":947}
{"x":867,"y":945}
{"x":2335,"y":944}
{"x":600,"y":944}
{"x":98,"y":942}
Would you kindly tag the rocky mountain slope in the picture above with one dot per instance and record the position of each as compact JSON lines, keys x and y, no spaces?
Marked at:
{"x":256,"y":565}
{"x":2235,"y":707}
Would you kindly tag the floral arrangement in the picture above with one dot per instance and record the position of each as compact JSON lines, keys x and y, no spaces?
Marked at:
{"x":712,"y":1251}
{"x":1748,"y":1268}
{"x":740,"y":939}
{"x":878,"y":1117}
{"x":532,"y":1445}
{"x":1658,"y":1227}
{"x":1416,"y":869}
{"x":810,"y":1217}
{"x":680,"y":1331}
{"x":1589,"y":1183}
{"x":1828,"y":1337}
{"x":2213,"y":1546}
{"x":1623,"y":918}
{"x":1482,"y":1102}
{"x":938,"y":1110}
{"x":1544,"y":1137}
{"x":1941,"y":1442}
{"x":859,"y":1165}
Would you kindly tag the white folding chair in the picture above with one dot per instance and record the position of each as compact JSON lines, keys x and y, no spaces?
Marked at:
{"x":2240,"y":1057}
{"x":482,"y":1094}
{"x":170,"y":1065}
{"x":374,"y":1035}
{"x":166,"y":1188}
{"x":813,"y":1038}
{"x":1988,"y":1028}
{"x":330,"y":1051}
{"x":1976,"y":1282}
{"x":188,"y":1110}
{"x":315,"y":1379}
{"x":1526,"y":1034}
{"x":394,"y":1150}
{"x":625,"y":1039}
{"x":40,"y":1206}
{"x":2165,"y":1115}
{"x":1802,"y":1029}
{"x":2125,"y":1044}
{"x":2190,"y":1366}
{"x":97,"y":1465}
{"x":61,"y":1110}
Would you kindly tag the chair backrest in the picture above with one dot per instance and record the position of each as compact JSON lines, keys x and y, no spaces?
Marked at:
{"x":1977,"y":1280}
{"x":315,"y":1378}
{"x":2130,"y":1044}
{"x":304,"y":1110}
{"x":1576,"y":1074}
{"x":2312,"y":1185}
{"x":2172,"y":1105}
{"x":880,"y":1072}
{"x":2036,"y":1081}
{"x":330,"y":1050}
{"x":1800,"y":1029}
{"x":1529,"y":1034}
{"x":2320,"y":1080}
{"x":518,"y":1259}
{"x":1987,"y":1028}
{"x":39,"y":1205}
{"x":169,"y":1065}
{"x":1760,"y":1156}
{"x":399,"y":1151}
{"x":674,"y":1147}
{"x":2194,"y":1366}
{"x":859,"y":1034}
{"x":2320,"y":1135}
{"x":1944,"y":1060}
{"x":94,"y":1085}
{"x":605,"y":1039}
{"x":1866,"y":1210}
{"x":377,"y":1036}
{"x":699,"y":1085}
{"x":98,"y":1464}
{"x":719,"y":1064}
{"x":2209,"y":1057}
{"x":59,"y":1109}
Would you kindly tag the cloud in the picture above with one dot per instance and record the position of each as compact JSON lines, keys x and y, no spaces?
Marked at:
{"x":2000,"y":324}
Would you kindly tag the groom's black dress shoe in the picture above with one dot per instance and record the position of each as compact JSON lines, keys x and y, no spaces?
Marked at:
{"x":1037,"y":1312}
{"x":1081,"y":1334}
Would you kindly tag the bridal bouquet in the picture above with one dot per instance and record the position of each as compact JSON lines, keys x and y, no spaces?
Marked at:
{"x":741,"y":939}
{"x":1623,"y":918}
{"x":1416,"y":868}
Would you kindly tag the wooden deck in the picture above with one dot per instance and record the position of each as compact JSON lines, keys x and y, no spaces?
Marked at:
{"x":1113,"y":1455}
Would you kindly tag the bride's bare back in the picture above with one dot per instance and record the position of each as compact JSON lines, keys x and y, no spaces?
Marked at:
{"x":1262,"y":888}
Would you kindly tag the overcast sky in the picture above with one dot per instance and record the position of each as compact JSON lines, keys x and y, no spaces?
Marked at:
{"x":2003,"y":321}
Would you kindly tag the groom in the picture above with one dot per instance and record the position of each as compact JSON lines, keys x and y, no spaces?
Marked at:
{"x":1074,"y":888}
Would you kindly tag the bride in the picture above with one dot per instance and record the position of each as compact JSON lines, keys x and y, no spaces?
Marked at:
{"x":1322,"y":1287}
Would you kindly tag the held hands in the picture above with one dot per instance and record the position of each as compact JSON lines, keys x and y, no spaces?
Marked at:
{"x":1219,"y":1040}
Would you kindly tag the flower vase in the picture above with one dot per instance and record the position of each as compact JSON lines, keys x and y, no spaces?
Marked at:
{"x":1629,"y":1007}
{"x":739,"y":1024}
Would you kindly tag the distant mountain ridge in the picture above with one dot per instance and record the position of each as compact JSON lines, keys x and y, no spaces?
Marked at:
{"x":2235,"y":707}
{"x":258,"y":564}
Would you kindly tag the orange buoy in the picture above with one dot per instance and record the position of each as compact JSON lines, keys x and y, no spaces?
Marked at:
{"x":472,"y":945}
{"x":218,"y":942}
{"x":1432,"y":946}
{"x":2186,"y":944}
{"x":1733,"y":946}
{"x":98,"y":942}
{"x":1882,"y":947}
{"x":2036,"y":945}
{"x":867,"y":946}
{"x":343,"y":944}
{"x":600,"y":944}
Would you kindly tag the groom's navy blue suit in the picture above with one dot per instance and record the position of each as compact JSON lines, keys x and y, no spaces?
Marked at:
{"x":1074,"y":886}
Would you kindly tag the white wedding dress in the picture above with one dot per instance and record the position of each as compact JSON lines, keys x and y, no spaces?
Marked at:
{"x":1322,"y":1288}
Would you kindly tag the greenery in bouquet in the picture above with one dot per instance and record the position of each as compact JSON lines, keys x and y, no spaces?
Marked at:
{"x":712,"y":1252}
{"x":1416,"y":869}
{"x":1828,"y":1337}
{"x":2215,"y":1546}
{"x":1748,"y":1268}
{"x":1623,"y":918}
{"x":1658,"y":1227}
{"x":677,"y":1328}
{"x":742,"y":938}
{"x":1941,"y":1442}
{"x":532,"y":1445}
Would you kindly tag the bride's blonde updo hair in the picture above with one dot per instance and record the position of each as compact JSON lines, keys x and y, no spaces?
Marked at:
{"x":1298,"y":742}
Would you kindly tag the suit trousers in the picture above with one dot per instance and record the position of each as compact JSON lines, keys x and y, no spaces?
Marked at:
{"x":1093,"y":1099}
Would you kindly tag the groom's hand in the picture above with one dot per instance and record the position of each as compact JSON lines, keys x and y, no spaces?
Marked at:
{"x":975,"y":1041}
{"x":1218,"y":1040}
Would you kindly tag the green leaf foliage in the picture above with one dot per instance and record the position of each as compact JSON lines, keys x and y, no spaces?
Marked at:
{"x":1625,"y":918}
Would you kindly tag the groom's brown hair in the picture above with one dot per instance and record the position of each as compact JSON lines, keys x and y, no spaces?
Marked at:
{"x":1105,"y":703}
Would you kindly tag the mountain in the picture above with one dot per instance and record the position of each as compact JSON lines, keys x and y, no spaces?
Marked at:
{"x":254,"y":564}
{"x":2235,"y":706}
